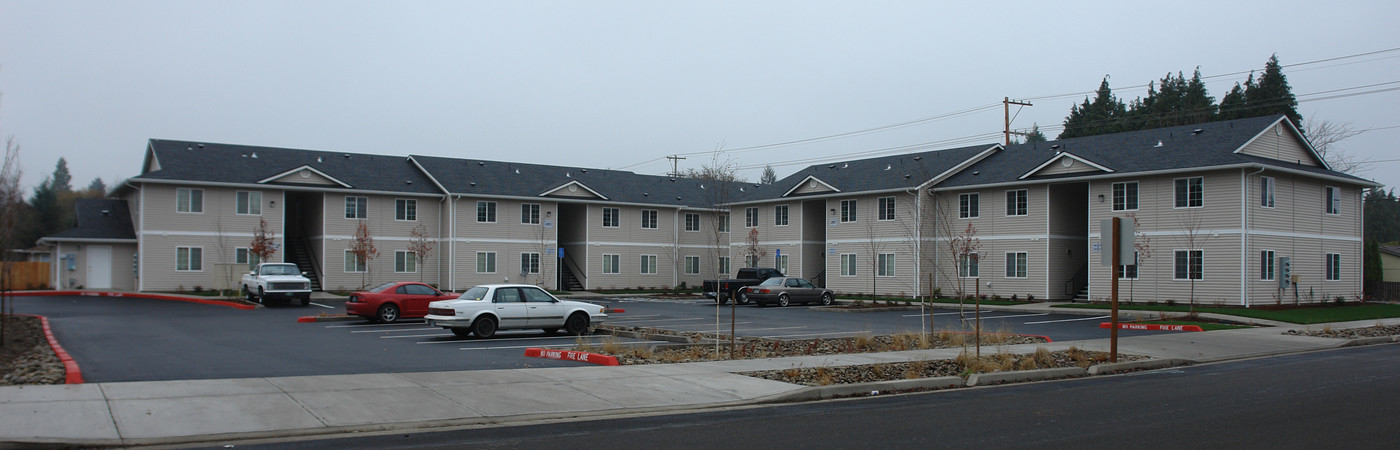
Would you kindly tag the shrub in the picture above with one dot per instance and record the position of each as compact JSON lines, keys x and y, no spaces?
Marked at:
{"x":996,"y":297}
{"x":1171,"y":302}
{"x":937,"y":292}
{"x":198,"y":289}
{"x":1013,"y":297}
{"x":1030,"y":297}
{"x":1339,"y":300}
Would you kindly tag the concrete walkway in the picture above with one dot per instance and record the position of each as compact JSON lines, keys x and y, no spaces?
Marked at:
{"x":212,"y":411}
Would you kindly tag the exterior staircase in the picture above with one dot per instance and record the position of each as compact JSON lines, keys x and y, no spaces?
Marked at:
{"x":570,"y":282}
{"x":298,"y":252}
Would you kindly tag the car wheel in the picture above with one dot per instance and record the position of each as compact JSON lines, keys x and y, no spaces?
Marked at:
{"x":721,"y":299}
{"x":388,"y":313}
{"x":783,"y":300}
{"x":262,"y":295}
{"x":461,"y":332}
{"x":551,"y":330}
{"x":742,"y":299}
{"x":306,"y":301}
{"x":826,"y":299}
{"x":248,"y":295}
{"x":484,"y":327}
{"x":577,"y":324}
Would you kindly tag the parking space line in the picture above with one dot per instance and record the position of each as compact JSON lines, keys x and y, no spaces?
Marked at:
{"x":323,"y":306}
{"x":416,"y":335}
{"x":724,"y":323}
{"x":1018,"y":315}
{"x":1066,"y":320}
{"x":944,"y":314}
{"x":394,"y":330}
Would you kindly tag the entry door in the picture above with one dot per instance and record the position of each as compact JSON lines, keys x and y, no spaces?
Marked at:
{"x":99,"y":267}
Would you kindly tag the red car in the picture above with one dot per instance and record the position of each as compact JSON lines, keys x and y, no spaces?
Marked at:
{"x":394,"y":300}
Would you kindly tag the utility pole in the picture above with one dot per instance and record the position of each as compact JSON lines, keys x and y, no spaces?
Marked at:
{"x":1006,"y":103}
{"x":675,"y":164}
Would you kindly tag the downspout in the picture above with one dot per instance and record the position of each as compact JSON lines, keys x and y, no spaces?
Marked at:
{"x":675,"y":247}
{"x":918,"y":240}
{"x":448,"y":200}
{"x":140,"y":237}
{"x":1244,"y":236}
{"x":452,"y":242}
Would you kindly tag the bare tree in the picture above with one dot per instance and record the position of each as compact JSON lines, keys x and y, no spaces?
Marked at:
{"x":362,"y":248}
{"x":11,"y":203}
{"x":1324,"y":136}
{"x":1191,"y":224}
{"x":874,"y":246}
{"x":1142,"y":249}
{"x":420,"y":245}
{"x":753,"y":252}
{"x":721,"y":171}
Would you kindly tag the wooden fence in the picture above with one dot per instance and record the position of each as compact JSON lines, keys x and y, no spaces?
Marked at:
{"x":26,"y":276}
{"x":1384,"y":290}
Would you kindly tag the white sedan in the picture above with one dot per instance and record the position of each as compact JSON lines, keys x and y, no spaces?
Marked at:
{"x":484,"y":309}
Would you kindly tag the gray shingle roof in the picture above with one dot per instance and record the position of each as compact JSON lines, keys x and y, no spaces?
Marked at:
{"x":1135,"y":152}
{"x":497,"y":178}
{"x":246,"y":164}
{"x":872,"y":174}
{"x":99,"y":219}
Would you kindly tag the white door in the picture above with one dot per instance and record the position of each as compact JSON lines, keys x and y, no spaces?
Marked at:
{"x":99,"y":267}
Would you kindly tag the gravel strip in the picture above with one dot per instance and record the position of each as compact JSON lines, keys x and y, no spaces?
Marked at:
{"x":1349,"y":333}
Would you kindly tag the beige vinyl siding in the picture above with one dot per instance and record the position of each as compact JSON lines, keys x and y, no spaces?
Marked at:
{"x":1221,"y":267}
{"x":217,"y":230}
{"x":159,"y":256}
{"x":811,"y":186}
{"x":998,"y":234}
{"x":700,"y":244}
{"x":218,"y":215}
{"x":508,"y":237}
{"x":1058,"y":167}
{"x":123,"y":278}
{"x":631,"y":241}
{"x":1284,"y":147}
{"x":1298,"y":227}
{"x":869,"y":236}
{"x":312,"y":178}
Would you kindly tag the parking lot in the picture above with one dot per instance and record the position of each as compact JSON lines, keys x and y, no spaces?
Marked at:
{"x":132,"y":339}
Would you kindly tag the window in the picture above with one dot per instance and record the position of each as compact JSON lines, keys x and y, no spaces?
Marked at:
{"x":1187,"y":265}
{"x":1334,"y":267}
{"x":722,"y":223}
{"x":692,"y":222}
{"x":724,"y":264}
{"x":649,"y":219}
{"x":247,"y":203}
{"x":967,"y":265}
{"x":529,"y":263}
{"x":189,"y":259}
{"x":751,"y":261}
{"x":1266,"y":265}
{"x":612,"y":217}
{"x":1016,"y":202}
{"x":530,"y":213}
{"x":486,"y":212}
{"x":967,"y":206}
{"x":848,"y":264}
{"x":485,"y":262}
{"x":648,"y":263}
{"x":405,"y":262}
{"x":1190,"y":192}
{"x":189,"y":200}
{"x":692,"y":265}
{"x":1334,"y":200}
{"x":405,"y":209}
{"x":884,"y":265}
{"x":243,"y":255}
{"x":780,"y":215}
{"x":848,"y":210}
{"x":356,"y":207}
{"x":886,"y":208}
{"x":1016,"y":264}
{"x":1125,"y":196}
{"x":1129,"y":271}
{"x":353,"y":264}
{"x":780,"y":262}
{"x":611,"y":263}
{"x":1266,"y":192}
{"x":750,"y":217}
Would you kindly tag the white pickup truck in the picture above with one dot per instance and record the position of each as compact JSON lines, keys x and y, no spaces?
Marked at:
{"x":277,"y":281}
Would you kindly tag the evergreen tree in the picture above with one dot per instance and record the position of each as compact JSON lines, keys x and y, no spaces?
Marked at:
{"x":1271,"y":94}
{"x":1101,"y":116}
{"x":1035,"y":135}
{"x":1373,"y":273}
{"x":1382,"y":216}
{"x":769,"y":177}
{"x":1197,"y":104}
{"x":1232,"y":105}
{"x":96,"y":189}
{"x":62,"y":180}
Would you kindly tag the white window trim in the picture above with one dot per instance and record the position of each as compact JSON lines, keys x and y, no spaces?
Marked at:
{"x":1125,"y":184}
{"x":616,"y":260}
{"x":1327,"y":200}
{"x":655,"y":219}
{"x":786,"y":215}
{"x":1009,"y":256}
{"x":396,"y":209}
{"x":1273,"y":266}
{"x":970,"y":215}
{"x":190,"y":259}
{"x":854,"y":215}
{"x":1188,"y":192}
{"x":889,"y":258}
{"x":855,"y":265}
{"x":191,"y":200}
{"x":407,"y":254}
{"x":880,"y":210}
{"x":492,"y":260}
{"x":1272,"y":191}
{"x":616,"y":217}
{"x":538,"y":213}
{"x":492,"y":212}
{"x":751,"y":218}
{"x":1137,"y":274}
{"x":725,"y":263}
{"x":643,"y":259}
{"x":357,"y":208}
{"x":1188,"y":264}
{"x":251,"y":203}
{"x":1028,"y":202}
{"x":686,"y":227}
{"x":1327,"y":264}
{"x":976,"y":256}
{"x":350,"y":258}
{"x":538,"y":262}
{"x":688,"y":266}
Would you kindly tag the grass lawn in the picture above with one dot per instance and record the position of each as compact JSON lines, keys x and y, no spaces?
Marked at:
{"x":1304,"y":315}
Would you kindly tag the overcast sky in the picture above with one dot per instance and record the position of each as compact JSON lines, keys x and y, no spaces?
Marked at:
{"x":623,"y":84}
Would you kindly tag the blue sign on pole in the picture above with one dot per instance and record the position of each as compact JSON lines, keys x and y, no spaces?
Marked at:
{"x":561,"y":252}
{"x":777,"y":252}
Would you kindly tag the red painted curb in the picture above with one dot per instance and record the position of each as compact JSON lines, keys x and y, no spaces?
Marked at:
{"x":615,"y":310}
{"x":571,"y":355}
{"x":306,"y":319}
{"x":71,"y":373}
{"x":132,"y":295}
{"x":1152,"y":327}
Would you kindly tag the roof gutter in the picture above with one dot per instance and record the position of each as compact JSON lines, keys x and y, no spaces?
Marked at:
{"x":1120,"y":175}
{"x":282,"y":187}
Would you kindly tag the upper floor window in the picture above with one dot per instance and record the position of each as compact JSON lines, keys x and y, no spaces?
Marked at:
{"x":886,"y":208}
{"x":1190,"y":192}
{"x":248,"y":203}
{"x":1016,"y":202}
{"x":848,"y":210}
{"x":405,"y":209}
{"x":1334,"y":200}
{"x":486,"y":212}
{"x":612,"y":217}
{"x":722,"y":223}
{"x":1125,"y":196}
{"x":529,"y":263}
{"x":968,"y":207}
{"x":750,"y":217}
{"x":780,"y":215}
{"x":530,"y":213}
{"x":692,"y":222}
{"x":1266,"y":192}
{"x":649,"y":218}
{"x":189,"y":200}
{"x":356,"y":207}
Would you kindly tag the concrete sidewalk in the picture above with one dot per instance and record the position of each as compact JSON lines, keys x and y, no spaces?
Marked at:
{"x":210,"y":411}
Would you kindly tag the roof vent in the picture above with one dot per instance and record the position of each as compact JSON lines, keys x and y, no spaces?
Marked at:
{"x":583,"y":170}
{"x":346,"y":155}
{"x":833,"y":166}
{"x":673,"y":180}
{"x":481,"y":163}
{"x":1055,"y":147}
{"x":407,"y":181}
{"x":1197,"y":131}
{"x":843,"y":166}
{"x":1159,"y":143}
{"x":678,"y":197}
{"x":976,"y":173}
{"x":517,"y":171}
{"x":568,"y":174}
{"x":106,"y":212}
{"x":200,"y":145}
{"x":741,"y":189}
{"x":318,"y":159}
{"x":646,"y":194}
{"x":473,"y":184}
{"x":906,"y":176}
{"x":916,"y":158}
{"x":189,"y":148}
{"x":255,"y":155}
{"x":888,"y":166}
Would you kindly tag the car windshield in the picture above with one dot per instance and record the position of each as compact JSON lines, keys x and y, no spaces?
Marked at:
{"x":476,"y":293}
{"x":280,"y":269}
{"x":772,"y":282}
{"x":383,"y":286}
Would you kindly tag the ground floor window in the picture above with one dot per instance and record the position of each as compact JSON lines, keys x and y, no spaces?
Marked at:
{"x":353,"y":264}
{"x":1188,"y":265}
{"x":724,"y":265}
{"x":405,"y":262}
{"x":1129,"y":271}
{"x":189,"y":259}
{"x":1266,"y":265}
{"x":648,"y":264}
{"x":967,"y":266}
{"x":485,"y":262}
{"x":884,"y":265}
{"x":692,"y":265}
{"x":780,"y":262}
{"x":611,"y":264}
{"x":1334,"y":267}
{"x":848,"y":264}
{"x":242,"y":255}
{"x":1016,"y":264}
{"x":529,"y":263}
